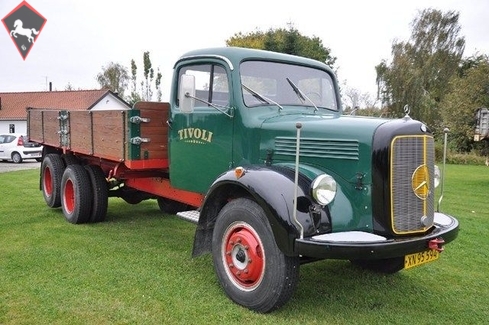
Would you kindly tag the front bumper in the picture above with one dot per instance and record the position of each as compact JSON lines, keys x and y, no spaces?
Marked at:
{"x":362,"y":245}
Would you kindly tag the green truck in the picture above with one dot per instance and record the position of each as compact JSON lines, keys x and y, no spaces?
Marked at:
{"x":253,"y":147}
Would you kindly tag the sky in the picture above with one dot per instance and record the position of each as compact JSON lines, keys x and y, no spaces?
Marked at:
{"x":80,"y":37}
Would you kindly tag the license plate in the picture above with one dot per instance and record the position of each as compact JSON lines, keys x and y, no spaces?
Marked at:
{"x":420,"y":258}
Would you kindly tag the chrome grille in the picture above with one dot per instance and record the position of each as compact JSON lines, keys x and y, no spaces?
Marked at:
{"x":409,"y":212}
{"x":319,"y":148}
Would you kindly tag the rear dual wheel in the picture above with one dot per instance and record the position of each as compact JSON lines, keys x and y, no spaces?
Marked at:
{"x":52,"y":168}
{"x":69,"y":187}
{"x":100,"y":191}
{"x":76,"y":194}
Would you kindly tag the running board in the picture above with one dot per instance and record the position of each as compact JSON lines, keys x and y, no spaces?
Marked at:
{"x":192,"y":216}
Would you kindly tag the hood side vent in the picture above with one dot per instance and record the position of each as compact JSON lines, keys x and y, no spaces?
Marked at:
{"x":318,"y":148}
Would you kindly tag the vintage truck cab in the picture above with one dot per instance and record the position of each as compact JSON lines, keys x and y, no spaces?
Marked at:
{"x":254,"y":148}
{"x":303,"y":181}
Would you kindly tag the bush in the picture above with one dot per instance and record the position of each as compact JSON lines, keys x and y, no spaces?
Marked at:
{"x":465,"y":159}
{"x":453,"y":157}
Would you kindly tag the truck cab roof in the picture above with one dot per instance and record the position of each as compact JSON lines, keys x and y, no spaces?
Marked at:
{"x":236,"y":55}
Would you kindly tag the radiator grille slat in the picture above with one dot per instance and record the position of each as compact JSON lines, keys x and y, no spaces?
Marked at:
{"x":410,"y":212}
{"x":319,"y":148}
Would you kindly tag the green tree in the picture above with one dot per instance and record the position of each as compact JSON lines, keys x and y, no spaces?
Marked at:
{"x":148,"y":72}
{"x":134,"y":97}
{"x":422,"y":67}
{"x":114,"y":76}
{"x":158,"y":85}
{"x":284,"y":40}
{"x":470,"y":91}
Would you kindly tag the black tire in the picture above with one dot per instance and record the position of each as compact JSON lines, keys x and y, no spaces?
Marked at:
{"x":132,"y":196}
{"x":386,"y":266}
{"x":16,"y":157}
{"x":170,"y":206}
{"x":76,"y":194}
{"x":70,"y":159}
{"x":249,"y":265}
{"x":52,"y":168}
{"x":100,"y":191}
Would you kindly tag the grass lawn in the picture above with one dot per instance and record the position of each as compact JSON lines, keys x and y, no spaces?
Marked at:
{"x":136,"y":268}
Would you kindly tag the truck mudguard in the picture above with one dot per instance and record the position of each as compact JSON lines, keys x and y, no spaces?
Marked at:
{"x":272,"y":188}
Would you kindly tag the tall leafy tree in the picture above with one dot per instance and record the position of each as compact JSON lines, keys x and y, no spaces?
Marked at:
{"x":114,"y":76}
{"x":421,"y":68}
{"x":285,"y":40}
{"x":134,"y":97}
{"x":470,"y":91}
{"x":148,"y":71}
{"x":158,"y":85}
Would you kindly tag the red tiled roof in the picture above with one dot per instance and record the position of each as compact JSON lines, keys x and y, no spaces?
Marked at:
{"x":13,"y":105}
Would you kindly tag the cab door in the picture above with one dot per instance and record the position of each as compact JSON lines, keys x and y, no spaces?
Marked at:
{"x":201,"y":141}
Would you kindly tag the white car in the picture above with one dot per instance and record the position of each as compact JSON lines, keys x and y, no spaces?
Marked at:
{"x":16,"y":147}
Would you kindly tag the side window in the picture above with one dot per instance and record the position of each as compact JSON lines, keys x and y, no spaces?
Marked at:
{"x":211,"y":84}
{"x":9,"y":138}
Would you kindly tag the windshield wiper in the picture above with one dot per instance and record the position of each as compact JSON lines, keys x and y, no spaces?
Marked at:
{"x":300,"y":94}
{"x":261,"y":97}
{"x":216,"y":106}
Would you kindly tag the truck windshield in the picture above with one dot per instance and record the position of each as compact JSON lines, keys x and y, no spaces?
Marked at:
{"x":283,"y":84}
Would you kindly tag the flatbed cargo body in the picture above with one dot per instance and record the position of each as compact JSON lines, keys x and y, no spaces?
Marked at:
{"x":112,"y":135}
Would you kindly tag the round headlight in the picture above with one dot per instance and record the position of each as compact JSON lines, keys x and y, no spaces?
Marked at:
{"x":323,"y":189}
{"x":437,"y":176}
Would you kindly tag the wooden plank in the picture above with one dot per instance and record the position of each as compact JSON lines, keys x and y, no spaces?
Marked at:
{"x":156,"y":129}
{"x":103,"y":133}
{"x":35,"y":129}
{"x":51,"y":128}
{"x":80,"y":132}
{"x":109,"y":139}
{"x":162,"y":106}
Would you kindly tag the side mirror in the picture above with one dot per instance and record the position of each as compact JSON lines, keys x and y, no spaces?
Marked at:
{"x":187,"y":93}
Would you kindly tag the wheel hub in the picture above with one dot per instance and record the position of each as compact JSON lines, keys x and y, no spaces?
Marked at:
{"x":244,"y":257}
{"x":48,"y":181}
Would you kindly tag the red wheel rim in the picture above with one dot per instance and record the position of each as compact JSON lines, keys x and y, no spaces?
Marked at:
{"x":243,"y":256}
{"x":47,"y":181}
{"x":69,"y":196}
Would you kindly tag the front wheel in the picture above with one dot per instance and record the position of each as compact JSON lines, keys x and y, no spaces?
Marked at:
{"x":251,"y":268}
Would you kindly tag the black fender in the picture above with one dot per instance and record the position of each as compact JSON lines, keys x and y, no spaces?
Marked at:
{"x":272,"y":187}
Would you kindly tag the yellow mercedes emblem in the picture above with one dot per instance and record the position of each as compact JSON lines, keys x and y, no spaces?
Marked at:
{"x":421,"y":182}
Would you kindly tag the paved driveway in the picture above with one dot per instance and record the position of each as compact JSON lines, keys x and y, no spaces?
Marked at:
{"x":9,"y":166}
